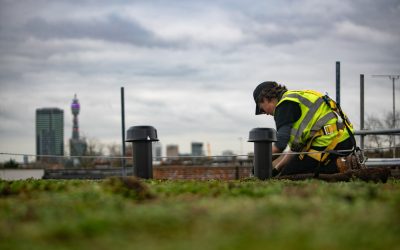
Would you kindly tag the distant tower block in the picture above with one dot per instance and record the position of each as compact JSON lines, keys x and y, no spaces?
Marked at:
{"x":77,"y":145}
{"x":49,"y":133}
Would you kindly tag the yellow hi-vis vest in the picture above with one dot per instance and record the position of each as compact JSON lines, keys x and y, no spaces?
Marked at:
{"x":318,"y":125}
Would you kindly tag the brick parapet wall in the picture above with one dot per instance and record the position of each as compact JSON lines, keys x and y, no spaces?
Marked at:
{"x":169,"y":173}
{"x":201,"y":172}
{"x":159,"y":172}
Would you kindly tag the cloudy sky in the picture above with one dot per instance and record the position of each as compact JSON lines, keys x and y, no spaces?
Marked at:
{"x":188,"y":67}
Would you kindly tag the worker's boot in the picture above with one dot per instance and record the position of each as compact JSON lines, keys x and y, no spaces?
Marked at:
{"x":350,"y":162}
{"x":341,"y":163}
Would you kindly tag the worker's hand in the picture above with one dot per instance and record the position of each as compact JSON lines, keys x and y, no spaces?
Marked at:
{"x":275,"y":172}
{"x":282,"y":161}
{"x":275,"y":150}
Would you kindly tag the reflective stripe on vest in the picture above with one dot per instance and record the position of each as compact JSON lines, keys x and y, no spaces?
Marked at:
{"x":312,"y":109}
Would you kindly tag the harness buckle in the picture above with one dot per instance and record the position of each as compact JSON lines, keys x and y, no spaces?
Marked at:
{"x":329,"y":129}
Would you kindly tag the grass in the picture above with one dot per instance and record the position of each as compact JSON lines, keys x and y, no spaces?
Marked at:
{"x":154,"y":214}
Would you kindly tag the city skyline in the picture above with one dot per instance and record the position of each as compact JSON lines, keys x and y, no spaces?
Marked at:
{"x":188,"y":68}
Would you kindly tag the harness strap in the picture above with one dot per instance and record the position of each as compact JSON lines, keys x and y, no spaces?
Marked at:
{"x":326,"y":130}
{"x":307,"y":147}
{"x":341,"y":126}
{"x":323,"y":156}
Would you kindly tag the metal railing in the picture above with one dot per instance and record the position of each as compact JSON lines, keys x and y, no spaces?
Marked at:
{"x":364,"y":132}
{"x":113,"y":157}
{"x":377,"y":132}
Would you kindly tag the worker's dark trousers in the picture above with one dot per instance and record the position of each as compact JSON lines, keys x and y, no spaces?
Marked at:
{"x":310,"y":165}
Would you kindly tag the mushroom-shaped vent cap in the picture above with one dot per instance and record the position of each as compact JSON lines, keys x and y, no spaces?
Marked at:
{"x":141,"y":133}
{"x":262,"y":134}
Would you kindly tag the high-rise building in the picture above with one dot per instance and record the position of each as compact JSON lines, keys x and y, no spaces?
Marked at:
{"x":77,"y":145}
{"x":49,"y":133}
{"x":157,"y":151}
{"x":173,"y":151}
{"x":197,"y":149}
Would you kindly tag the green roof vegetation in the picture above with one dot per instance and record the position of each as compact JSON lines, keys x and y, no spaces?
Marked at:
{"x":154,"y":214}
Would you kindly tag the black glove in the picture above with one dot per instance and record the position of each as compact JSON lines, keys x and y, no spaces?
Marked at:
{"x":275,"y":172}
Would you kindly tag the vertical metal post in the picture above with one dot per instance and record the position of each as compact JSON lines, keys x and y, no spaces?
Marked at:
{"x":241,"y":145}
{"x":394,"y":120}
{"x":338,"y":82}
{"x":262,"y":138}
{"x":362,"y":109}
{"x":123,"y":131}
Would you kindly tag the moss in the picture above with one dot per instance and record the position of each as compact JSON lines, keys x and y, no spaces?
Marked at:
{"x":153,"y":214}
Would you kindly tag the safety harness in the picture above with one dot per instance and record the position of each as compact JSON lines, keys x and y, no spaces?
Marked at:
{"x":340,"y":126}
{"x":323,"y":124}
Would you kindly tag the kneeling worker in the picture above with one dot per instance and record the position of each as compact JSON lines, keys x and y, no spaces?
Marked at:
{"x":307,"y":121}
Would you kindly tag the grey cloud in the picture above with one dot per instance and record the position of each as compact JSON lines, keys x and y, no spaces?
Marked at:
{"x":286,"y":29}
{"x":180,"y":70}
{"x":7,"y":114}
{"x":382,"y":15}
{"x":112,"y":29}
{"x":279,"y":23}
